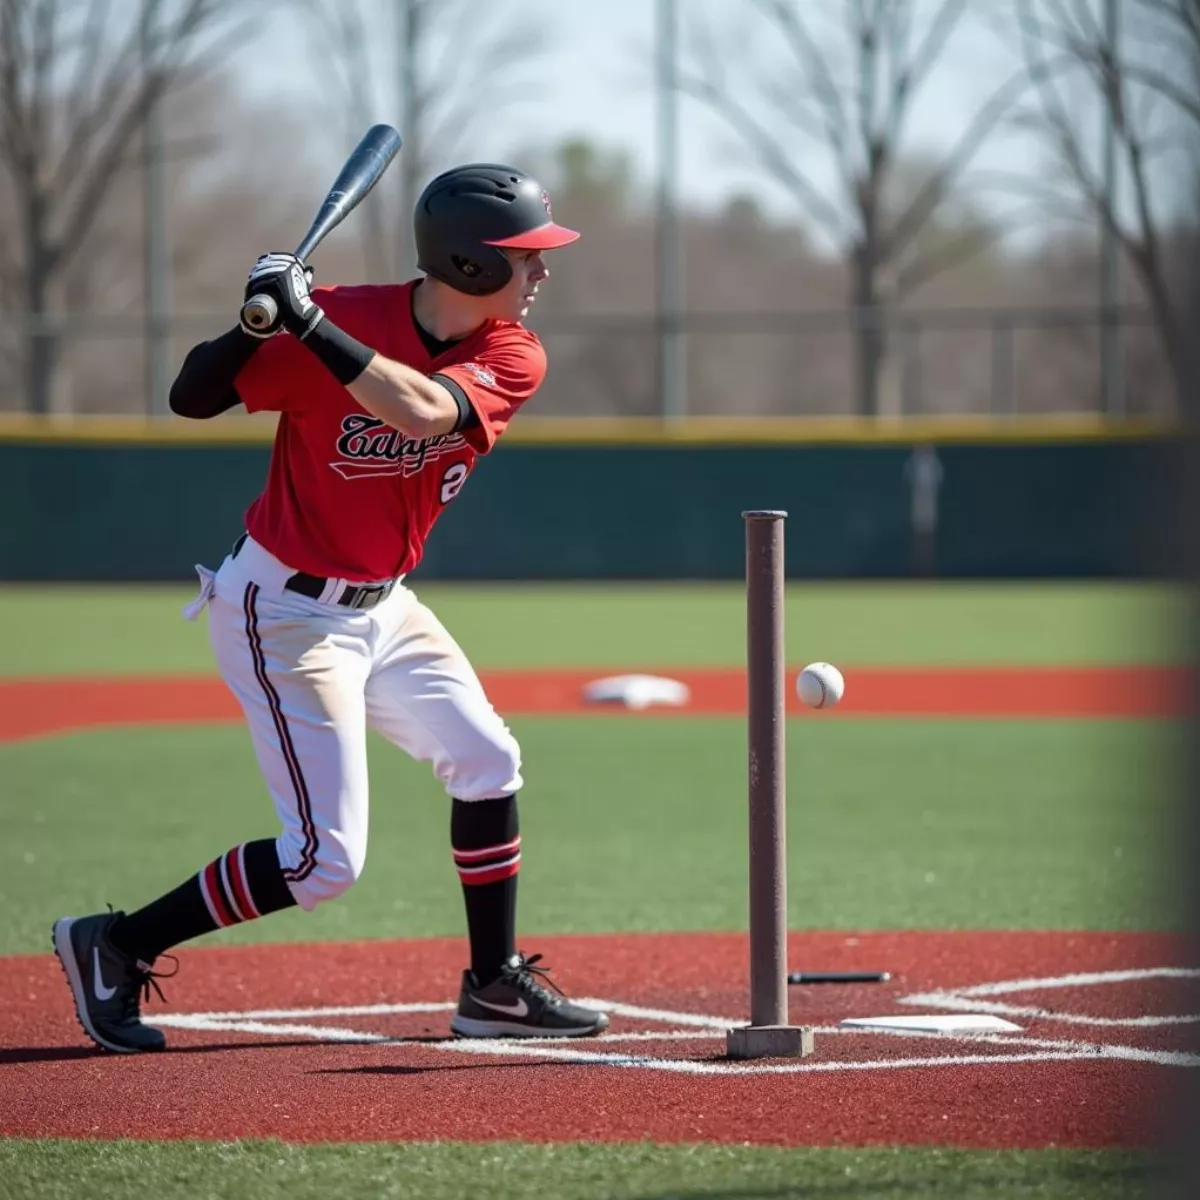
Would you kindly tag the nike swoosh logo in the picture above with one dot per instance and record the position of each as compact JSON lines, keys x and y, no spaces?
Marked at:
{"x":518,"y":1008}
{"x":102,"y":993}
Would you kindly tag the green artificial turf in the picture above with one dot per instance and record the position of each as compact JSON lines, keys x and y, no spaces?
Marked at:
{"x":634,"y":823}
{"x":129,"y":630}
{"x":266,"y":1170}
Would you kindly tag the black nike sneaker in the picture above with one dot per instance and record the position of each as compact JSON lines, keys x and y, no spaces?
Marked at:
{"x":106,"y":985}
{"x":516,"y":1004}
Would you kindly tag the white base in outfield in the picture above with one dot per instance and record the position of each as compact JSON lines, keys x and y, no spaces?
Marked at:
{"x":637,"y":691}
{"x":935,"y":1023}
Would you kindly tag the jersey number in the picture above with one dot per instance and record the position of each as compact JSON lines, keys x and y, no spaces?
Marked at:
{"x":452,"y":481}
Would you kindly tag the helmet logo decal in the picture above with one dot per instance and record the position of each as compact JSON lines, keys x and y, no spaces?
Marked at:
{"x":546,"y":202}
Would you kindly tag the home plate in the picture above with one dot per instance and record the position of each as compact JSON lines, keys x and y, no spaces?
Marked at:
{"x":935,"y":1023}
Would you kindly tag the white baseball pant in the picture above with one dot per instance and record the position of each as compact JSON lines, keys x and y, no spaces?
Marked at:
{"x":312,"y":677}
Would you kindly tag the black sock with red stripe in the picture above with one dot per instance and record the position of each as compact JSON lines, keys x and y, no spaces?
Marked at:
{"x":244,"y":883}
{"x":486,"y":841}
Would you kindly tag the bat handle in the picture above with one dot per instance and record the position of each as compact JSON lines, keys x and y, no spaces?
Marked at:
{"x":259,"y":312}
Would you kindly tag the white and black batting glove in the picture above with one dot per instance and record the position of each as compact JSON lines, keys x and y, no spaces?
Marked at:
{"x":287,"y":281}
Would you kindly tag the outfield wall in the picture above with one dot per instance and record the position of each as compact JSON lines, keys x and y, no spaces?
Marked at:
{"x":619,"y":502}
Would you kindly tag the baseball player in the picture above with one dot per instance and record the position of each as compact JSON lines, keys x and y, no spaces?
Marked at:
{"x":387,"y":395}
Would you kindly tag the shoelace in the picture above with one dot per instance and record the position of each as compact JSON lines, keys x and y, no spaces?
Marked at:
{"x":523,"y":976}
{"x":143,"y":980}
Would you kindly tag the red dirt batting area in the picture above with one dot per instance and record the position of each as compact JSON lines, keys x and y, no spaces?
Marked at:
{"x":351,"y":1041}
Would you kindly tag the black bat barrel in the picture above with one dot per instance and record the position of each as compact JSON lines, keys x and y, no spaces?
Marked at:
{"x":361,"y":172}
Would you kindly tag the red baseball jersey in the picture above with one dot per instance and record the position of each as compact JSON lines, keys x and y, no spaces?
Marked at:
{"x":346,"y":495}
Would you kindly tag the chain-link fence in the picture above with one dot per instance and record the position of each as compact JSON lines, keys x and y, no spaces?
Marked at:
{"x":989,"y":362}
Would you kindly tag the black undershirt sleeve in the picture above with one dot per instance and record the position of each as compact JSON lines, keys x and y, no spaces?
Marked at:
{"x":468,"y":418}
{"x":204,"y":386}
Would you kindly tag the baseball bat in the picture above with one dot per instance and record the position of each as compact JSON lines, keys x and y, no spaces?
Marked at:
{"x":839,"y":976}
{"x":359,"y":174}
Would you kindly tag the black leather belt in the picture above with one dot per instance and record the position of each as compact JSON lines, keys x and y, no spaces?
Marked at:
{"x":362,"y":595}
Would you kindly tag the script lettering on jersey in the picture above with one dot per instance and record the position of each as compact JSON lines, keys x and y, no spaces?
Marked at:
{"x":370,"y":449}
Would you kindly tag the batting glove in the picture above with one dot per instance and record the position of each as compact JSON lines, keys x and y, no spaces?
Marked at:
{"x":287,"y":281}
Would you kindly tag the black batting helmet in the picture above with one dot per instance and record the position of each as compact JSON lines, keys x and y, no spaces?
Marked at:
{"x":466,"y":215}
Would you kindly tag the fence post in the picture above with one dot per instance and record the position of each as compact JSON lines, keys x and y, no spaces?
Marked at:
{"x":1004,"y":397}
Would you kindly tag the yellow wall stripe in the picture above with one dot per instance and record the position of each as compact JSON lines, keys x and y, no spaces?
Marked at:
{"x":621,"y":431}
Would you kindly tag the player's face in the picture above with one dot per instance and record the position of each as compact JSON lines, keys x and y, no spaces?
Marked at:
{"x":528,"y":271}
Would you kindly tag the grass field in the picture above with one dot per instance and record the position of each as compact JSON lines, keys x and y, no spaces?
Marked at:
{"x":88,"y":630}
{"x":629,"y":824}
{"x":71,"y":1171}
{"x":893,"y":824}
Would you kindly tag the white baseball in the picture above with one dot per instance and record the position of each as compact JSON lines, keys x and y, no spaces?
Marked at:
{"x":820,"y":685}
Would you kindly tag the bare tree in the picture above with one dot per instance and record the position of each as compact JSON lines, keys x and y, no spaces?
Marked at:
{"x":76,"y":84}
{"x":228,"y":189}
{"x":453,"y":66}
{"x":853,"y":108}
{"x":1146,"y":83}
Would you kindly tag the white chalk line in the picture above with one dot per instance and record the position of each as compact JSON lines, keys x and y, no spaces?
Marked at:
{"x":698,"y":1026}
{"x":969,"y":999}
{"x":699,"y":1020}
{"x":346,"y":1010}
{"x":557,"y":1051}
{"x":1086,"y":979}
{"x":665,"y":1015}
{"x":958,"y":1003}
{"x":227,"y":1023}
{"x":526,"y":1048}
{"x":683,"y":1067}
{"x":211,"y":1023}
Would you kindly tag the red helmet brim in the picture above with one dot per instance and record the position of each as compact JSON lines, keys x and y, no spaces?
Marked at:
{"x":545,"y":237}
